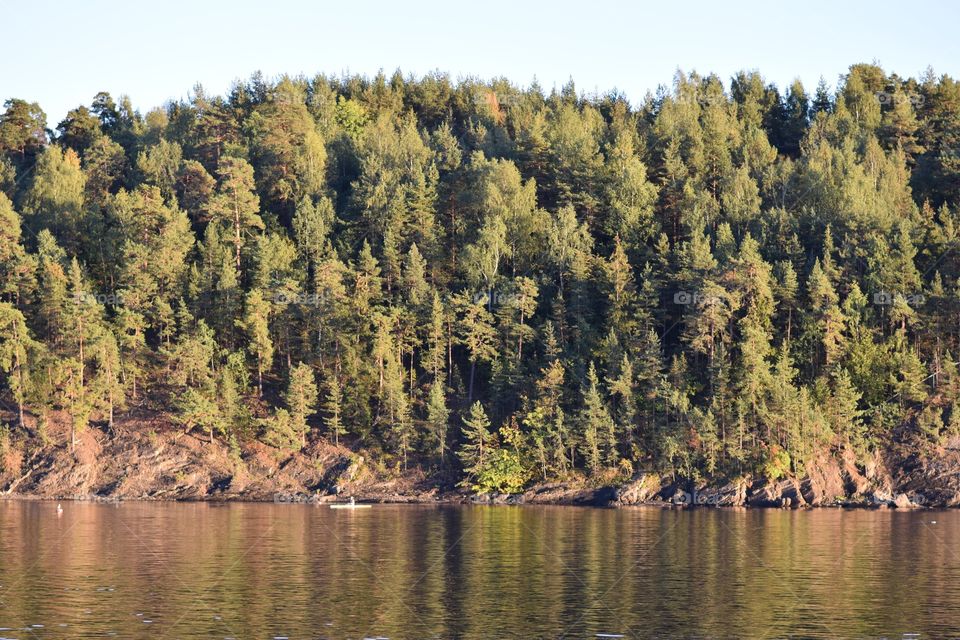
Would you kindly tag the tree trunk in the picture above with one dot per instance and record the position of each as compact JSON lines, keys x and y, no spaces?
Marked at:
{"x":236,"y":233}
{"x":449,"y":353}
{"x":259,"y":375}
{"x":473,"y":369}
{"x":520,"y":340}
{"x":19,"y":367}
{"x":81,"y":359}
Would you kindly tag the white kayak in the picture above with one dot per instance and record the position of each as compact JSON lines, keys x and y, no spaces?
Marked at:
{"x":350,"y":506}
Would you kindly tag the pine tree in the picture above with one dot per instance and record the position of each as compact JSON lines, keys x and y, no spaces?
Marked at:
{"x":825,"y":319}
{"x":232,"y":384}
{"x":476,"y":440}
{"x":55,"y":200}
{"x":476,"y":333}
{"x":414,"y":275}
{"x":438,"y":416}
{"x":15,"y":347}
{"x":755,"y":327}
{"x":623,"y":387}
{"x":598,"y":440}
{"x":822,"y":102}
{"x":436,"y":340}
{"x":160,"y":166}
{"x":287,"y":148}
{"x":82,"y":317}
{"x":198,"y":409}
{"x":107,"y":388}
{"x":845,"y":413}
{"x":16,"y":265}
{"x":623,"y":315}
{"x":333,"y":408}
{"x":156,"y":241}
{"x":235,"y":203}
{"x":301,"y":398}
{"x":632,"y":197}
{"x":256,"y":324}
{"x":797,"y":109}
{"x":910,"y":373}
{"x":786,"y":287}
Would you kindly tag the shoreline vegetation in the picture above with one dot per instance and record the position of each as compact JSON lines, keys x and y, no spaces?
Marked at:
{"x":405,"y":289}
{"x":173,"y":466}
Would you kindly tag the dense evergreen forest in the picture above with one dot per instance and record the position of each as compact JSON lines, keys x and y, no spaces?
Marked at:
{"x":492,"y":282}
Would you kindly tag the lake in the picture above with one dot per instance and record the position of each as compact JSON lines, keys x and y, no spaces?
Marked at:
{"x":156,"y":570}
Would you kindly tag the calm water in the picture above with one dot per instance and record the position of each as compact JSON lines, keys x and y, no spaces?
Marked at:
{"x":264,"y":571}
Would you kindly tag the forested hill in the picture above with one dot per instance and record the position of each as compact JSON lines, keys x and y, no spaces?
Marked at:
{"x":508,"y":286}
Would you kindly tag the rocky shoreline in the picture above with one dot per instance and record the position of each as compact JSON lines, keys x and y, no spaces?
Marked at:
{"x":137,"y":461}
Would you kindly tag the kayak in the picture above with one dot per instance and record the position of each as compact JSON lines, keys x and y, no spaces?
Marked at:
{"x":350,"y":506}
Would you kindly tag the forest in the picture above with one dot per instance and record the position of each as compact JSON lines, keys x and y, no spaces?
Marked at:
{"x":498,"y":284}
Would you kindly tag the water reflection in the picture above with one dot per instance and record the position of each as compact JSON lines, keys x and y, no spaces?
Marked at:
{"x":141,"y":570}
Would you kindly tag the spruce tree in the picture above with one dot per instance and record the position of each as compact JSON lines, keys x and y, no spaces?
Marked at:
{"x":476,"y":440}
{"x":301,"y":398}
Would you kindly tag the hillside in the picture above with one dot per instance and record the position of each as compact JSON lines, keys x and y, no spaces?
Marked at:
{"x":481,"y":287}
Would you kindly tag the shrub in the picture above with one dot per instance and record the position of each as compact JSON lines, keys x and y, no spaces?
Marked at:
{"x":776,"y":464}
{"x":501,"y":472}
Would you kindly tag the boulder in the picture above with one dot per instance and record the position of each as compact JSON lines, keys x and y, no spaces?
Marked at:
{"x":823,"y":482}
{"x":563,"y":493}
{"x":783,"y":493}
{"x":732,"y":494}
{"x":642,"y":488}
{"x":903,"y":501}
{"x":880,"y":497}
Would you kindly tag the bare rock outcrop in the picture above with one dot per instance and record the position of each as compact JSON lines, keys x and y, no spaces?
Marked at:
{"x":643,"y":487}
{"x":782,"y":493}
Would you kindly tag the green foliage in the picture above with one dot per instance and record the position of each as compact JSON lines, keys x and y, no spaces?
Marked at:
{"x":775,"y":464}
{"x":282,"y":432}
{"x":438,"y":417}
{"x":197,"y":409}
{"x":235,"y":205}
{"x":301,"y":398}
{"x":598,"y":431}
{"x":478,"y":440}
{"x":501,"y":472}
{"x":715,"y":280}
{"x":333,"y":406}
{"x":256,"y":325}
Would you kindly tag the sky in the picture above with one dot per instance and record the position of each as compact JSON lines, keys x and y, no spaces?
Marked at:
{"x":61,"y":54}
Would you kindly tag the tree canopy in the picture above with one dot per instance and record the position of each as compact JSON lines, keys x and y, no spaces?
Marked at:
{"x":716,"y":279}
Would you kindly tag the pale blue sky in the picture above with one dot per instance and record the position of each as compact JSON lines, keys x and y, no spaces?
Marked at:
{"x":61,"y":54}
